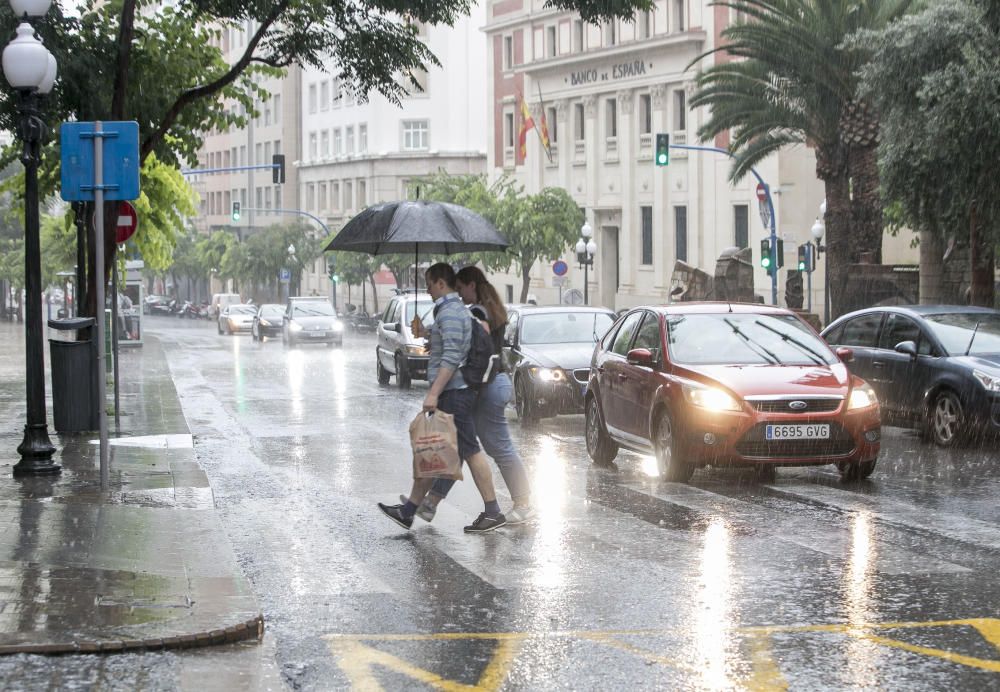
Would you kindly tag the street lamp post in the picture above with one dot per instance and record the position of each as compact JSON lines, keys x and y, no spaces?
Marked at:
{"x":818,"y":230}
{"x":291,"y":260}
{"x":31,"y":70}
{"x":586,"y":248}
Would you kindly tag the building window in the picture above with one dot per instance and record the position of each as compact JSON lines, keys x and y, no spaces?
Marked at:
{"x":644,"y":25}
{"x":680,"y":110}
{"x":510,"y":293}
{"x":348,"y":195}
{"x":335,"y":92}
{"x":578,"y":35}
{"x":267,"y":198}
{"x":324,"y":95}
{"x":311,"y":197}
{"x":647,"y":235}
{"x":508,"y":52}
{"x":645,"y":114}
{"x":277,"y":109}
{"x":552,"y":122}
{"x":362,"y":138}
{"x":551,"y":47}
{"x":313,"y":147}
{"x":678,"y":15}
{"x":362,"y":194}
{"x":508,"y":130}
{"x":267,"y":114}
{"x":579,"y":122}
{"x":349,"y":139}
{"x":335,"y":195}
{"x":243,"y":155}
{"x":681,"y":232}
{"x":267,"y":152}
{"x":610,"y":34}
{"x":415,"y":135}
{"x":337,"y":146}
{"x":277,"y":146}
{"x":259,"y":195}
{"x":312,"y":98}
{"x":348,"y":96}
{"x":741,"y":224}
{"x":322,"y":197}
{"x":243,"y":196}
{"x":324,"y":143}
{"x":611,"y":118}
{"x":277,"y":197}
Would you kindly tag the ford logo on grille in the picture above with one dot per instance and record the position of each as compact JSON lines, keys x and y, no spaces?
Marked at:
{"x":798,"y":405}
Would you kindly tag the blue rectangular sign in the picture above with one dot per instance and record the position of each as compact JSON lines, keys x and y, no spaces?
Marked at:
{"x":121,"y":160}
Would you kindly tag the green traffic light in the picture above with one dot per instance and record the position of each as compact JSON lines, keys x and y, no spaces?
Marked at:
{"x":661,"y":159}
{"x":765,"y":262}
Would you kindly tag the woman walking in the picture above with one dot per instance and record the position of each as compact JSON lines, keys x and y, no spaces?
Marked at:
{"x":491,"y":422}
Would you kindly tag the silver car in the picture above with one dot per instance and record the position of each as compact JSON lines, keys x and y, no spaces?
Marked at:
{"x":236,"y":318}
{"x":311,"y":321}
{"x":398,"y":352}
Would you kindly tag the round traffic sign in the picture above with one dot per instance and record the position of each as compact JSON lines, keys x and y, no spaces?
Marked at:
{"x":126,"y":223}
{"x":559,"y":268}
{"x":761,"y":192}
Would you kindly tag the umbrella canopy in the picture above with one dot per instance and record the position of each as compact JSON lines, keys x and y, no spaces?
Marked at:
{"x":436,"y":228}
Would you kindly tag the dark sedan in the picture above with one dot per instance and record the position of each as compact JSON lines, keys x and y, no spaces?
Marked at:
{"x":933,"y":367}
{"x":547,"y":351}
{"x":268,"y":321}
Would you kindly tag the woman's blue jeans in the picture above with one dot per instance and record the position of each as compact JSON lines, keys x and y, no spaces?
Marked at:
{"x":494,"y":436}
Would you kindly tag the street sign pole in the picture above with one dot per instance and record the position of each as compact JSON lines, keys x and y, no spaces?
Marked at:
{"x":102,"y":413}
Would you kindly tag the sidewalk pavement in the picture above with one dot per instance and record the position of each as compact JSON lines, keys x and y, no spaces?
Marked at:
{"x":144,"y":565}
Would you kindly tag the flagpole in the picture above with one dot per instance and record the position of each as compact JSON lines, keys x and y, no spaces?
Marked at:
{"x":545,"y":124}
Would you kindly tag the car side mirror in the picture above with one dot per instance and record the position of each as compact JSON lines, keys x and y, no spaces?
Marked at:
{"x":640,"y":356}
{"x":393,"y":327}
{"x":907,"y":347}
{"x":845,"y":354}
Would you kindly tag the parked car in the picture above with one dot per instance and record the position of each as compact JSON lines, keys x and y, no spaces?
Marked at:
{"x":727,"y":384}
{"x":236,"y":318}
{"x":397,"y":351}
{"x":152,"y":303}
{"x":267,"y":321}
{"x":547,"y":351}
{"x":220,"y":301}
{"x":933,"y":367}
{"x":311,"y":320}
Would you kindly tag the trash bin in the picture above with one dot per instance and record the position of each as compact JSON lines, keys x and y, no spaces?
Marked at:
{"x":73,"y":377}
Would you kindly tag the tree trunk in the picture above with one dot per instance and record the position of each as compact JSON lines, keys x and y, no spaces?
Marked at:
{"x":931,"y":268}
{"x":525,"y":282}
{"x":983,"y":263}
{"x":866,"y":228}
{"x":838,"y":243}
{"x":371,"y":280}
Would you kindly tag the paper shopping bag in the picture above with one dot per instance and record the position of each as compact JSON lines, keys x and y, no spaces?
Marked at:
{"x":434,"y":440}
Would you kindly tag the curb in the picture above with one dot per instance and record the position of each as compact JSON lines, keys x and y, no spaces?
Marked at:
{"x":250,"y":629}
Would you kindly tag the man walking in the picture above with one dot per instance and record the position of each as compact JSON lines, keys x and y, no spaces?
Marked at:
{"x":451,"y":338}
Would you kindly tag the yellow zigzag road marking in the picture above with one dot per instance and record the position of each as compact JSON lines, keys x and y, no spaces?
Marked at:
{"x":357,"y":659}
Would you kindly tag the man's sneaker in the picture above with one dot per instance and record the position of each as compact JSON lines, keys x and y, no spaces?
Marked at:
{"x":520,"y":515}
{"x":425,"y":511}
{"x":395,"y":512}
{"x":484,"y":523}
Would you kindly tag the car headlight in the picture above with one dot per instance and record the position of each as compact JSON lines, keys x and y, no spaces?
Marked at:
{"x":862,"y":397}
{"x":991,"y":382}
{"x":265,"y":323}
{"x":416,"y":351}
{"x":549,"y":374}
{"x":294,"y":326}
{"x":711,"y":398}
{"x":337,"y":326}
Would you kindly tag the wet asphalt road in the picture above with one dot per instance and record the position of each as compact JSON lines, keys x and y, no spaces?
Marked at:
{"x":622,"y":582}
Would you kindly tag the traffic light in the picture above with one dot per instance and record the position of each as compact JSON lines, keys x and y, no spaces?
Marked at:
{"x":779,"y":254}
{"x":278,"y":169}
{"x":236,"y":211}
{"x":662,"y":149}
{"x":331,"y":271}
{"x":807,"y":261}
{"x":766,"y":256}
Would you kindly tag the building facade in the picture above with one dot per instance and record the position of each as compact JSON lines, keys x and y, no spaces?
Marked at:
{"x":357,"y":154}
{"x":605,"y":92}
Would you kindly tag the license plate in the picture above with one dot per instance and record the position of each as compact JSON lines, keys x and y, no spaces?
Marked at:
{"x":318,"y":335}
{"x":797,"y":432}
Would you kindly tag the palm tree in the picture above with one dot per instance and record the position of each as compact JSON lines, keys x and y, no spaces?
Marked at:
{"x":793,"y":81}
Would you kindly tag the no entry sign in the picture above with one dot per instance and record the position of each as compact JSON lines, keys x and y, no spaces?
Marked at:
{"x":127,"y":222}
{"x":761,"y":192}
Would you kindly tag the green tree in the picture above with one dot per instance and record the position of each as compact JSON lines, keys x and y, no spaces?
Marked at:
{"x":357,"y":268}
{"x":935,"y":77}
{"x":794,"y":81}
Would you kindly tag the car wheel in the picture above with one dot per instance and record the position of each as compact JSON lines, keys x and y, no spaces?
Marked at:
{"x":857,"y":471}
{"x":402,"y":373}
{"x":668,"y":458}
{"x":523,"y":402}
{"x":601,"y":448}
{"x":380,"y":372}
{"x":765,"y":473}
{"x":947,"y":419}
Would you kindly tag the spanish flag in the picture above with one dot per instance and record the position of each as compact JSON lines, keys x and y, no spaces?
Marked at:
{"x":527,"y":123}
{"x":544,"y":134}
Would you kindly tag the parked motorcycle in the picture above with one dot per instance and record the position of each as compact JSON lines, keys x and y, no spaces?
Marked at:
{"x":188,"y":309}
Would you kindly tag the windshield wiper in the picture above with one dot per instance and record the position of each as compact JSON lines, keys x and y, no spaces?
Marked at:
{"x":754,"y":345}
{"x":974,"y":332}
{"x":814,"y":355}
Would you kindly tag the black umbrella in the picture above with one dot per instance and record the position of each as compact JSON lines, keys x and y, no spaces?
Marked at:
{"x":417,"y":226}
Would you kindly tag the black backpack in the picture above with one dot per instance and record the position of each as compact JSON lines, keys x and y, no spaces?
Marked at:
{"x":481,"y":364}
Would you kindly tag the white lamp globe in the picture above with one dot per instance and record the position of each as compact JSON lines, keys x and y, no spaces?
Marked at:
{"x":32,"y":8}
{"x":25,"y":60}
{"x":817,"y":230}
{"x":586,"y":231}
{"x":581,"y":247}
{"x":591,"y":247}
{"x":291,"y":249}
{"x":50,"y":76}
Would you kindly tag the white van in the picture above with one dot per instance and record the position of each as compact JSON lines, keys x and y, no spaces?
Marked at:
{"x":221,"y":301}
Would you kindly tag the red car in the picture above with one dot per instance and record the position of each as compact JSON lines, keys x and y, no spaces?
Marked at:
{"x":719,"y":384}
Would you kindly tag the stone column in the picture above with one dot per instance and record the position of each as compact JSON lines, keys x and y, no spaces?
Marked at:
{"x":565,"y":146}
{"x":629,"y":233}
{"x":593,"y":150}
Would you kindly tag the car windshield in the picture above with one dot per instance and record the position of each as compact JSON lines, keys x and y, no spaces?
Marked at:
{"x":959,"y":334}
{"x":564,"y":327}
{"x":271,"y":311}
{"x":423,"y":308}
{"x":242,"y":310}
{"x":312,"y":309}
{"x":744,"y":339}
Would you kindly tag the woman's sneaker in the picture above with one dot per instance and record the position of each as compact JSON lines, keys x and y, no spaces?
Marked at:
{"x":521,"y":515}
{"x":424,"y":511}
{"x":484,"y":523}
